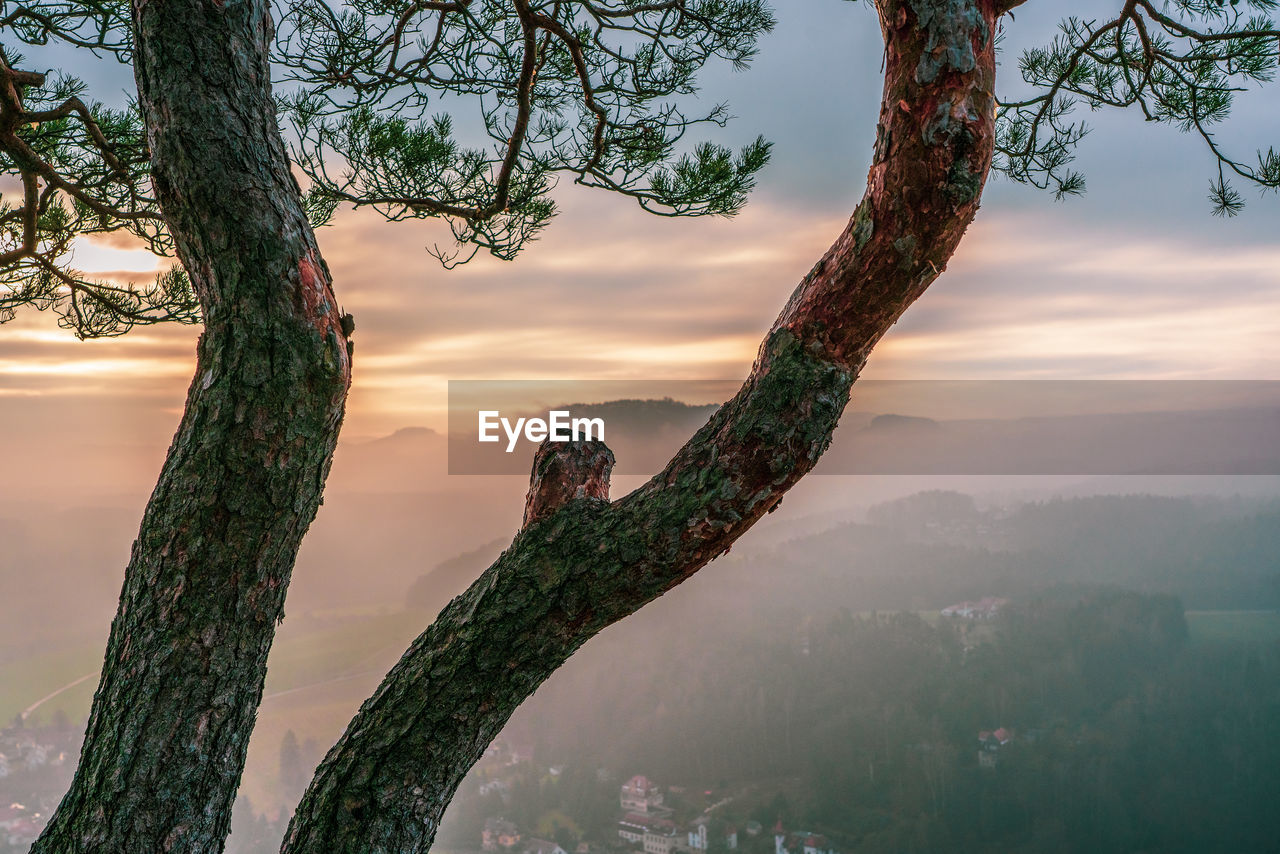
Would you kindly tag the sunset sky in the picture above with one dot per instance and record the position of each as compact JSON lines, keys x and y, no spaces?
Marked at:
{"x":1134,"y":280}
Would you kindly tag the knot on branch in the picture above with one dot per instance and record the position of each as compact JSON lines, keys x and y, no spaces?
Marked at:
{"x":23,"y":78}
{"x":563,"y":471}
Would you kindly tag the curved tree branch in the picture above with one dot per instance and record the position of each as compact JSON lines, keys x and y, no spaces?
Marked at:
{"x":572,"y":572}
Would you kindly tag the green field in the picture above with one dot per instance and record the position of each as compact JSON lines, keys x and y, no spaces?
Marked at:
{"x":27,"y":679}
{"x":321,"y":669}
{"x":1253,"y":626}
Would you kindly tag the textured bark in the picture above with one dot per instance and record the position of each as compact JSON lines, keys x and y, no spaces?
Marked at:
{"x":571,"y":572}
{"x":205,"y":586}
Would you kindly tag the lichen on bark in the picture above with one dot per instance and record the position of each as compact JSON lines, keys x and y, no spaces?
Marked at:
{"x":952,"y":26}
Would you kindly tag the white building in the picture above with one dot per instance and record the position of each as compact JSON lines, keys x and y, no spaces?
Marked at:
{"x":661,"y":840}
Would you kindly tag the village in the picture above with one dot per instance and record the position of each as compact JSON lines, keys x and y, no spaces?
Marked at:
{"x":36,"y":762}
{"x":647,"y":821}
{"x":35,"y":770}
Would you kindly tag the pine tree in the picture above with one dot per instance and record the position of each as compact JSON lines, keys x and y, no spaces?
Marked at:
{"x":587,"y":90}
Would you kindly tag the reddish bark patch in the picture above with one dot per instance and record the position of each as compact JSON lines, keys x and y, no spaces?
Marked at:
{"x":315,"y":292}
{"x":933,"y":151}
{"x":313,"y":288}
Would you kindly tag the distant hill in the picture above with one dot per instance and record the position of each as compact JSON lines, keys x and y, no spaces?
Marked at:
{"x":433,"y":589}
{"x":1195,"y":442}
{"x":392,"y":512}
{"x":901,"y":423}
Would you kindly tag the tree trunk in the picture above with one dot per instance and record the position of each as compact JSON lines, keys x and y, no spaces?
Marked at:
{"x":585,"y":563}
{"x":205,"y":586}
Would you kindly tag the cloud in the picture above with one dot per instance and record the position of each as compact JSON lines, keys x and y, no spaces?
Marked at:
{"x":1044,"y":296}
{"x":613,"y":293}
{"x":1135,"y":279}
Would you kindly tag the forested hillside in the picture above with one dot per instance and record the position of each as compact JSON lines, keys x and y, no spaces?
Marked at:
{"x":1081,"y":720}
